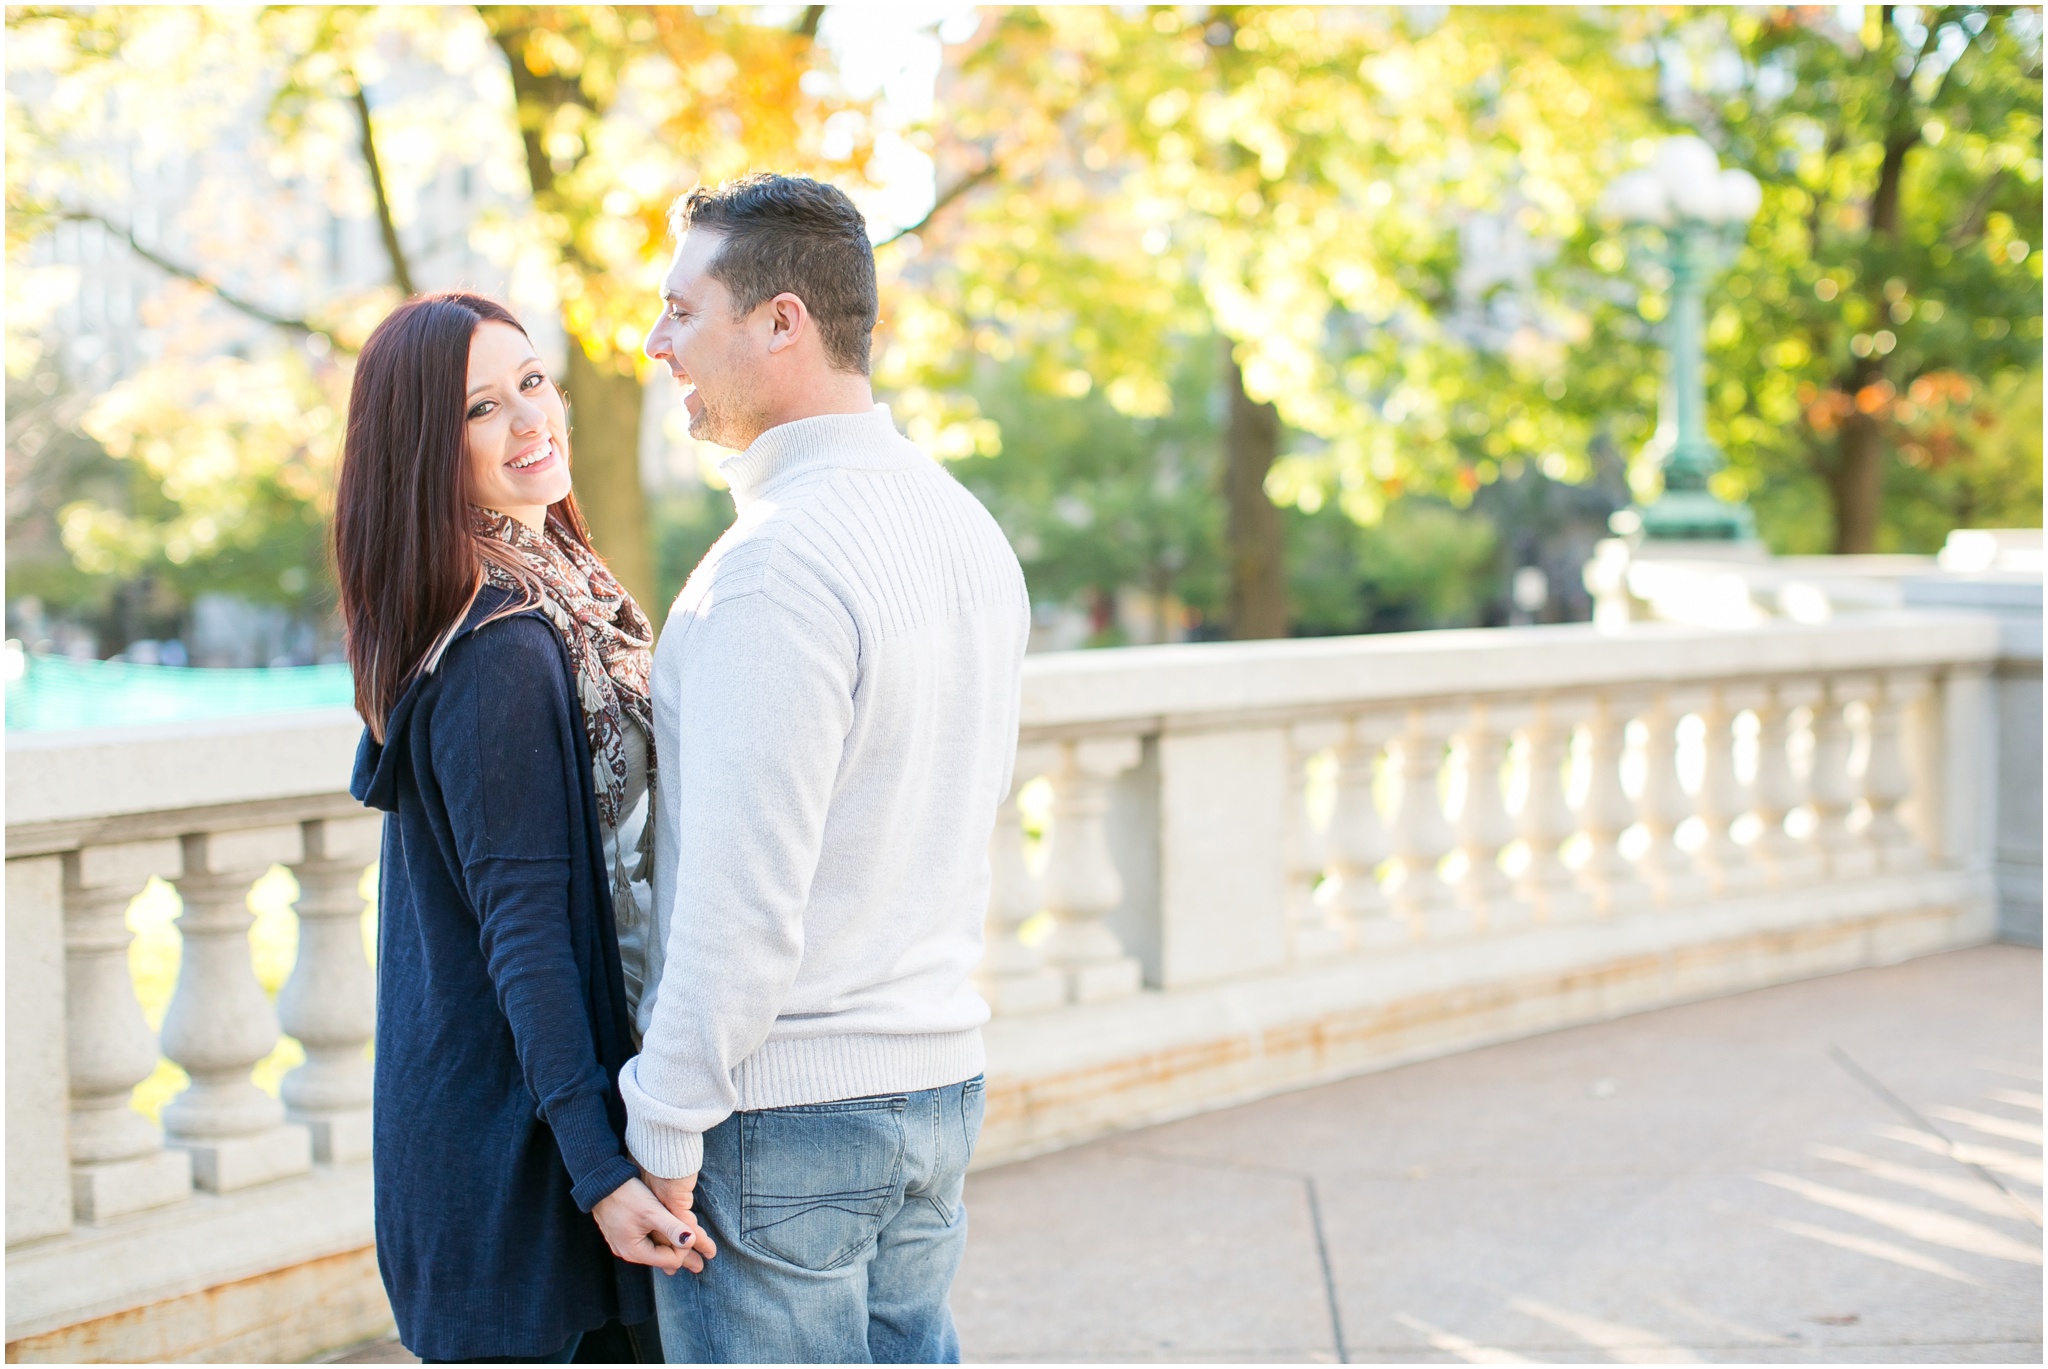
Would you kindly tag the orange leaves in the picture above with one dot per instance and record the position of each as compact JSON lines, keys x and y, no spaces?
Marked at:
{"x":625,"y":108}
{"x":1942,"y":386}
{"x":1825,"y":409}
{"x":1928,"y":421}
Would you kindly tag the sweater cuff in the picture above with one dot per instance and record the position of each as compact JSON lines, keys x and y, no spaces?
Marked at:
{"x":664,"y":1152}
{"x":589,"y":1147}
{"x":603,"y":1181}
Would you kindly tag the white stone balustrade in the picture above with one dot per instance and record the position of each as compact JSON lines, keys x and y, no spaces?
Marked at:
{"x":1082,"y":886}
{"x":1888,"y":784}
{"x":1544,"y":819}
{"x":1788,"y":860}
{"x":1358,"y":840}
{"x":220,"y":1025}
{"x":1014,"y":976}
{"x":329,"y":1004}
{"x":1663,"y":807}
{"x":119,"y":1162}
{"x":1316,"y":926}
{"x":1835,"y":787}
{"x":1608,"y":876}
{"x":1242,"y":888}
{"x":1484,"y":827}
{"x":1731,"y":867}
{"x":1422,"y":833}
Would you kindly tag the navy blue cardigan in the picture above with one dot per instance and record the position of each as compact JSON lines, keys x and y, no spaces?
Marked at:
{"x":501,"y":1010}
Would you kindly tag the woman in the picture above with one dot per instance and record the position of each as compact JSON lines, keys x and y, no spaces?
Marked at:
{"x":502,"y":673}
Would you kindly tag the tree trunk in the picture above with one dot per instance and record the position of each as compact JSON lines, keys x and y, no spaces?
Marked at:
{"x":1857,"y":485}
{"x":605,"y":412}
{"x":604,"y":453}
{"x":1856,"y":482}
{"x":1257,"y":538}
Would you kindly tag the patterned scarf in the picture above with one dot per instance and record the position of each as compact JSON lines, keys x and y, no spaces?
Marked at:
{"x":610,"y":644}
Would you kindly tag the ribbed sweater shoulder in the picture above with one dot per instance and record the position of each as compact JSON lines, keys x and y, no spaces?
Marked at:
{"x":866,"y":534}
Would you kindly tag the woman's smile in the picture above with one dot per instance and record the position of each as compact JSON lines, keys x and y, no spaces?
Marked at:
{"x":533,"y":457}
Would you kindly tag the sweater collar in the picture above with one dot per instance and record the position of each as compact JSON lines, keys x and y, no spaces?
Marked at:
{"x":866,"y":441}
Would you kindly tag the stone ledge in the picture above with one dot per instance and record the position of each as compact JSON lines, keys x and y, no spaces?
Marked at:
{"x":1061,"y":1078}
{"x":284,"y":1316}
{"x":214,"y":1239}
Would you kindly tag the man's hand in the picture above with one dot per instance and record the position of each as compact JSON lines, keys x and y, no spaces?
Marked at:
{"x":679,"y":1196}
{"x":641,"y":1230}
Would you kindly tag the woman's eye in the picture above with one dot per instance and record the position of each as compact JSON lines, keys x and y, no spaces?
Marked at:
{"x":532,"y":381}
{"x":480,"y":410}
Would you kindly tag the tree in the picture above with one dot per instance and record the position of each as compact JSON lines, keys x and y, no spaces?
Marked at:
{"x":604,"y":114}
{"x":618,"y":110}
{"x":1296,"y":182}
{"x":206,"y":466}
{"x":1889,"y":305}
{"x":1096,"y":502}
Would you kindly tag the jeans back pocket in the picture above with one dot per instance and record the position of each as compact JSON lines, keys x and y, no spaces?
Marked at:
{"x":817,"y":1182}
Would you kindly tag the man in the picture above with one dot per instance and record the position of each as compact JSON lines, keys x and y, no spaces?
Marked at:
{"x":835,"y":713}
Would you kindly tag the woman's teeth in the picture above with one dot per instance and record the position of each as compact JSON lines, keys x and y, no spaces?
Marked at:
{"x":543,"y":454}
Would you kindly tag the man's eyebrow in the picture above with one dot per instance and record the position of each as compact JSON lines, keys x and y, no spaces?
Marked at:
{"x":487,"y":384}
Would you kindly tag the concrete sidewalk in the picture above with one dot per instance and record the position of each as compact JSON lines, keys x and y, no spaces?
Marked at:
{"x":1711,"y":1182}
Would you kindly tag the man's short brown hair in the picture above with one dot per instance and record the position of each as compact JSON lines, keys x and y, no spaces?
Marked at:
{"x":794,"y":234}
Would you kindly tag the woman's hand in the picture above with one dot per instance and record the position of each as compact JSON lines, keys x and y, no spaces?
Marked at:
{"x":641,"y":1231}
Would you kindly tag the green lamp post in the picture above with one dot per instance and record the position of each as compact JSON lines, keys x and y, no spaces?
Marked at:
{"x":1703,"y":211}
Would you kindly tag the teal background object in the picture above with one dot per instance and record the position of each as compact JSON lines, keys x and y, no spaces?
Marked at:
{"x":53,"y":693}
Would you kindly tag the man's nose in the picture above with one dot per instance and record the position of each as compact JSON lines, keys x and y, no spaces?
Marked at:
{"x":656,"y":346}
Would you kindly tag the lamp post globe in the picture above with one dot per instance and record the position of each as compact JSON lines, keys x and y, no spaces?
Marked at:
{"x":1702,"y":210}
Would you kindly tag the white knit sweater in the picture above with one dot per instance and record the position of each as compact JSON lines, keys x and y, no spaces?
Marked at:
{"x":835,"y":718}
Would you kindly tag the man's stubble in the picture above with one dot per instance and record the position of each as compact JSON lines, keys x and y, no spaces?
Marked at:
{"x":730,"y":418}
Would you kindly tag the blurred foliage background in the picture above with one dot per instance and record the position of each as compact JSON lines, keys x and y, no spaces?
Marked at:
{"x":1242,"y":320}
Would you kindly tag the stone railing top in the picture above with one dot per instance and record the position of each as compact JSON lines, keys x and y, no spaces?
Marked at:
{"x":1225,"y":681}
{"x":65,"y":789}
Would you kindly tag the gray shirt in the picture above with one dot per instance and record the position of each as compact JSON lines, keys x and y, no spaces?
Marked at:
{"x":629,"y":860}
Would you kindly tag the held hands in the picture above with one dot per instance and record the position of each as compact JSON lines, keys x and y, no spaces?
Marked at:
{"x":641,"y":1230}
{"x":679,"y":1197}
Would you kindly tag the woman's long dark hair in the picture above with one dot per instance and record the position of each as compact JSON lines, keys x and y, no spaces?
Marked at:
{"x":407,"y":561}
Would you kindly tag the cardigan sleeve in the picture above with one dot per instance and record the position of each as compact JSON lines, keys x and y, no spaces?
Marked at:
{"x":505,"y":766}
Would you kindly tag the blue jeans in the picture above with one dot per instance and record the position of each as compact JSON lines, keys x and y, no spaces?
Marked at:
{"x":839,"y":1228}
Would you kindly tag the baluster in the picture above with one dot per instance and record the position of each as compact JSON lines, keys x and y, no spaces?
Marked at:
{"x":1731,"y":867}
{"x":1605,"y":813}
{"x":1545,"y":820}
{"x":1315,"y":926}
{"x":1834,"y":789}
{"x":1776,"y":791}
{"x":118,"y":1160}
{"x":1671,"y":873}
{"x":1422,"y":835}
{"x":1014,"y":977}
{"x":1358,"y":838}
{"x":1483,"y":825}
{"x":1082,"y":886}
{"x":1887,"y":781}
{"x":330,"y":1001}
{"x":219,"y":1026}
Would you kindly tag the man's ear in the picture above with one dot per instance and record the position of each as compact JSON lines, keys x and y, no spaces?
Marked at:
{"x":788,"y":321}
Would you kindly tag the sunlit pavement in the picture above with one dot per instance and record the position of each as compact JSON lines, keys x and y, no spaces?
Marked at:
{"x":1712,"y":1182}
